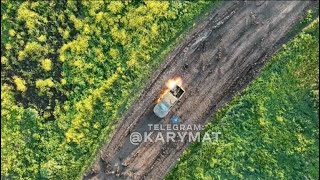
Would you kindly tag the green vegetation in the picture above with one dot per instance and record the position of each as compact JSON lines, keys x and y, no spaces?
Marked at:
{"x":271,"y":131}
{"x":68,"y":71}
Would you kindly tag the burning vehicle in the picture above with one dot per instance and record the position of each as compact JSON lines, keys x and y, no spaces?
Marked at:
{"x":169,"y":97}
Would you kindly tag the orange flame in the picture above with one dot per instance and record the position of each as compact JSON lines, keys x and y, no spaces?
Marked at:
{"x":170,"y":84}
{"x":163,"y":92}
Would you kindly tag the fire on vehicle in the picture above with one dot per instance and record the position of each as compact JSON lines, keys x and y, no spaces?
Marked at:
{"x":169,"y":97}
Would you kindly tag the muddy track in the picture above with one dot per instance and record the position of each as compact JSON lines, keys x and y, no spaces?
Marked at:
{"x":218,"y":58}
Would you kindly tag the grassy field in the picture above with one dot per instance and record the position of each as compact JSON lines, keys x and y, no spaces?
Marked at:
{"x":271,"y":130}
{"x":69,"y":70}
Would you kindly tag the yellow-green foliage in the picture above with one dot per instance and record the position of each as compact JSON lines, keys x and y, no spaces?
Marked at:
{"x":11,"y":137}
{"x":46,"y":64}
{"x":114,"y":53}
{"x":20,"y":84}
{"x":63,"y":81}
{"x":44,"y":84}
{"x":12,"y":32}
{"x":30,"y":17}
{"x":31,"y":48}
{"x":42,"y":38}
{"x":4,"y":60}
{"x":73,"y":68}
{"x":115,"y":6}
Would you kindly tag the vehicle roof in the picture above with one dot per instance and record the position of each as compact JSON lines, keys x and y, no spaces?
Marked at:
{"x":161,"y":109}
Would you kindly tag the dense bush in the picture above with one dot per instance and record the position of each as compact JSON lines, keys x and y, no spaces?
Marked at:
{"x":271,"y":131}
{"x":68,"y":70}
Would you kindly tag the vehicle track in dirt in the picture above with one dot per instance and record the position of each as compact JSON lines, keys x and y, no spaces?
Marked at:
{"x":219,"y":57}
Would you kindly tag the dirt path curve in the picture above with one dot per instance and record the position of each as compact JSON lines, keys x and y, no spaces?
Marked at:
{"x":219,"y":57}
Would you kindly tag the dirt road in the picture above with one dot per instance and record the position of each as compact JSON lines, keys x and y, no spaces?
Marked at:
{"x":219,"y":57}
